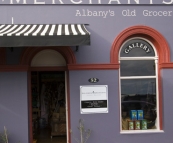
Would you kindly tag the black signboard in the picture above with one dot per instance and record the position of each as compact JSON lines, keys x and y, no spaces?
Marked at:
{"x":94,"y":104}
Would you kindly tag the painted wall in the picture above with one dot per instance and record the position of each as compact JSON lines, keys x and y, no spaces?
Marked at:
{"x":14,"y":106}
{"x":104,"y":30}
{"x":106,"y":126}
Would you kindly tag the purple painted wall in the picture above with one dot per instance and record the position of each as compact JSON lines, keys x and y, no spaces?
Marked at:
{"x":14,"y":106}
{"x":104,"y":30}
{"x":106,"y":126}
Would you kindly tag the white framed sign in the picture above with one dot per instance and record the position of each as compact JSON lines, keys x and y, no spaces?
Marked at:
{"x":93,"y":99}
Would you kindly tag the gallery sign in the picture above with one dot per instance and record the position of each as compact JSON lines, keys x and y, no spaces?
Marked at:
{"x":137,"y":44}
{"x":168,"y":2}
{"x":93,"y":99}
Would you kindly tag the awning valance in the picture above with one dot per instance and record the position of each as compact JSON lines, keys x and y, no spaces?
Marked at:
{"x":21,"y":35}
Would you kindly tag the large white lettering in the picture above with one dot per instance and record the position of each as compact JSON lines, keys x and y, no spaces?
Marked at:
{"x":137,"y":1}
{"x":53,"y":2}
{"x":137,"y":45}
{"x":87,"y":12}
{"x":90,"y":1}
{"x":80,"y":1}
{"x":11,"y":1}
{"x":35,"y":2}
{"x":168,"y":2}
{"x":157,"y":13}
{"x":110,"y":1}
{"x":78,"y":13}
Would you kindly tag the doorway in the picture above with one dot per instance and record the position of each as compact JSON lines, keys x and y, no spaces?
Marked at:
{"x":49,"y":106}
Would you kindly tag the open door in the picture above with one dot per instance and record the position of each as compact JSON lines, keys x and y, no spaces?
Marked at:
{"x":49,"y":106}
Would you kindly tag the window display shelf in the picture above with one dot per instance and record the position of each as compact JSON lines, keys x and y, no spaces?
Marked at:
{"x":141,"y":131}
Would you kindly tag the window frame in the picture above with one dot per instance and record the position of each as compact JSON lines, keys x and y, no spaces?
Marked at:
{"x":156,"y":76}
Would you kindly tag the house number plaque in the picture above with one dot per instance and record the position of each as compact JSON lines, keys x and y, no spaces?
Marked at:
{"x":93,"y":80}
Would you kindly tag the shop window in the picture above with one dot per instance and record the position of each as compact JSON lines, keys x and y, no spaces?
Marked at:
{"x":139,"y":86}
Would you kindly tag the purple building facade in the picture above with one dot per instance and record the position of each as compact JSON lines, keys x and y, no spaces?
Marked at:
{"x":138,"y":80}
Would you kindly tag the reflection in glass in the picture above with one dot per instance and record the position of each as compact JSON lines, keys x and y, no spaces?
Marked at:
{"x":138,"y":86}
{"x":139,"y":94}
{"x":137,"y":67}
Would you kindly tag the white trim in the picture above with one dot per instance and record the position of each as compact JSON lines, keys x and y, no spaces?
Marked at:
{"x":157,"y":97}
{"x":138,"y":58}
{"x":141,"y":131}
{"x":155,"y":58}
{"x":120,"y":101}
{"x":66,"y":97}
{"x":137,"y":77}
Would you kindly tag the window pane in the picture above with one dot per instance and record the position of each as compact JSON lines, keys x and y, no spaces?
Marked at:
{"x":137,"y":48}
{"x":138,"y":94}
{"x":137,"y":68}
{"x":138,"y":86}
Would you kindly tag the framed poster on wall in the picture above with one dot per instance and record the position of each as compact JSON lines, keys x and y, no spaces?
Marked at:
{"x":93,"y":99}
